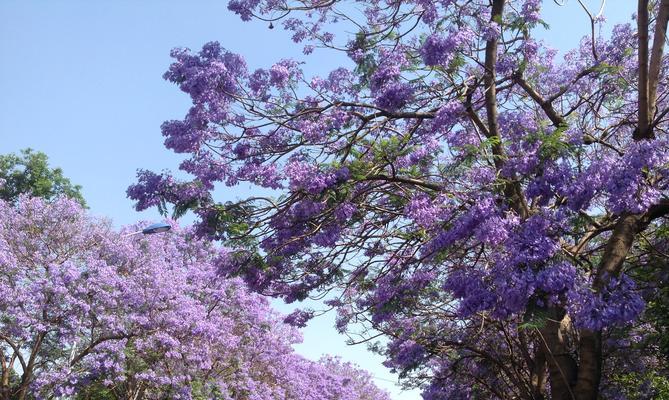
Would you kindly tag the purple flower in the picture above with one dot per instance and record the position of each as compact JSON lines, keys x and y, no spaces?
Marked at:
{"x":439,"y":50}
{"x":394,"y":96}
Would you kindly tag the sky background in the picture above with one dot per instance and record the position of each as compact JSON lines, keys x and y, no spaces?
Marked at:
{"x":81,"y":81}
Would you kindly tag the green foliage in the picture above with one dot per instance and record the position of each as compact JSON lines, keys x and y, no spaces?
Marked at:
{"x":389,"y":149}
{"x":606,"y":68}
{"x":367,"y":64}
{"x":359,"y":169}
{"x":95,"y":391}
{"x":536,"y":322}
{"x":29,"y":173}
{"x":553,"y":144}
{"x":231,"y":220}
{"x":653,"y":277}
{"x":638,"y":386}
{"x":657,"y":308}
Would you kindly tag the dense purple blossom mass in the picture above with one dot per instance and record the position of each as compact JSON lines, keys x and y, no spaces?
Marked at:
{"x":85,"y":309}
{"x":496,"y":211}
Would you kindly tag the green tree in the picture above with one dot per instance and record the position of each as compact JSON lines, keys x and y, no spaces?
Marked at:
{"x":29,"y":173}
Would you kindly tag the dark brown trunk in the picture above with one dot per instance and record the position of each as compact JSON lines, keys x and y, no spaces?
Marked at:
{"x":490,"y":73}
{"x":538,"y":377}
{"x":590,"y":368}
{"x":512,"y":190}
{"x":642,"y":33}
{"x":590,"y":344}
{"x":619,"y":244}
{"x":4,"y":383}
{"x":659,"y":37}
{"x":28,"y":372}
{"x":5,"y":390}
{"x":562,"y":367}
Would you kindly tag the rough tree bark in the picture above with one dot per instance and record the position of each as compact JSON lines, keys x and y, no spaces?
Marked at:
{"x":642,"y":39}
{"x":562,"y":368}
{"x":659,"y":37}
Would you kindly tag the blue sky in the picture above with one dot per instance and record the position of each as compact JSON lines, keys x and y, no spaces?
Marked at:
{"x":81,"y":81}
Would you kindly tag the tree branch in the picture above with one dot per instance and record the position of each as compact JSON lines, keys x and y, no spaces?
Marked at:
{"x":96,"y":342}
{"x":657,"y":52}
{"x":547,"y":106}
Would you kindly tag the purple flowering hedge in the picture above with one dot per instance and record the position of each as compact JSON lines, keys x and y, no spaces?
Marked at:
{"x":496,"y":211}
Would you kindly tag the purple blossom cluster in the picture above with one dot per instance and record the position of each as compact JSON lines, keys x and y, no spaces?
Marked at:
{"x":426,"y":212}
{"x":307,"y":176}
{"x":619,"y":304}
{"x":629,"y":181}
{"x":394,"y":96}
{"x":440,"y":50}
{"x":531,"y":10}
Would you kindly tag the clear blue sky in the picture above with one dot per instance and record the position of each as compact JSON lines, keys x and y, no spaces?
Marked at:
{"x":81,"y":81}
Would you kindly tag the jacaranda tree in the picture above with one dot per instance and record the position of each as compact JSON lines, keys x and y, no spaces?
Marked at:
{"x":496,"y":211}
{"x":89,"y":312}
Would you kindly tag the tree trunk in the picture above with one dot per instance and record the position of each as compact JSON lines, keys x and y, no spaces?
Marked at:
{"x":642,"y":33}
{"x":28,"y":372}
{"x":5,"y":390}
{"x":659,"y":37}
{"x":561,"y":364}
{"x":538,"y":377}
{"x":590,"y":368}
{"x":590,"y":344}
{"x":4,"y":383}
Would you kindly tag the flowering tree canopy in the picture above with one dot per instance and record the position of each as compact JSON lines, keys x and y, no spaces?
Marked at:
{"x":85,"y":309}
{"x":497,"y":211}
